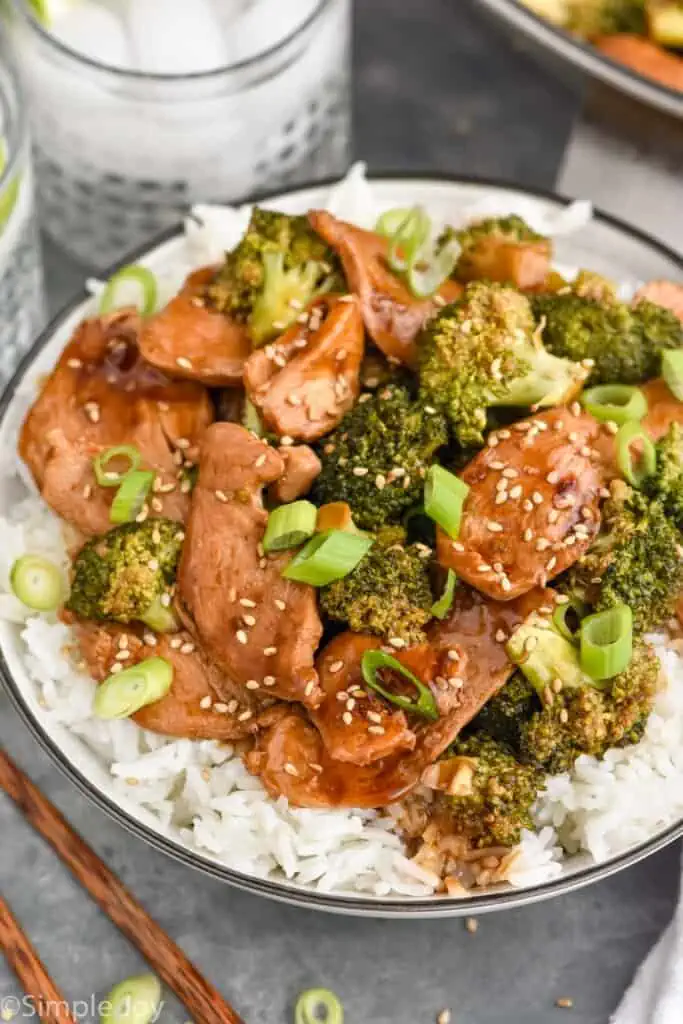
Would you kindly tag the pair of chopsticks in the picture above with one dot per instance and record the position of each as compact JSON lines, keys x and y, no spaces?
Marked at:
{"x":204,"y":1002}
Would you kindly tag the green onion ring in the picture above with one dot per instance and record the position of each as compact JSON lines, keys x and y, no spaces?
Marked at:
{"x":375,"y":660}
{"x":312,"y":1001}
{"x":444,"y":498}
{"x":408,"y":239}
{"x":616,"y":403}
{"x":290,"y":525}
{"x":672,"y":371}
{"x":107,"y":478}
{"x":130,"y":497}
{"x":327,"y":557}
{"x":560,"y":623}
{"x":441,"y":608}
{"x":124,"y":693}
{"x":606,"y":642}
{"x":428,"y":271}
{"x":391,"y":220}
{"x":629,"y":434}
{"x":141,"y":276}
{"x":133,"y":1001}
{"x":10,"y":194}
{"x":37,"y":583}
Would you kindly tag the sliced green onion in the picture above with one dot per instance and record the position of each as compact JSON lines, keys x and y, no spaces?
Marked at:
{"x":117,"y":293}
{"x":635,"y":471}
{"x":672,"y":371}
{"x":110,"y":478}
{"x":408,"y":239}
{"x":428,"y":271}
{"x":391,"y":220}
{"x":37,"y":583}
{"x":618,"y":403}
{"x":444,"y":497}
{"x":124,"y":693}
{"x":441,"y":608}
{"x":327,"y":557}
{"x":131,"y":495}
{"x":374,"y":661}
{"x":133,"y":1001}
{"x":160,"y":618}
{"x":318,"y":1006}
{"x":607,"y":642}
{"x":560,"y":622}
{"x":251,"y":419}
{"x":290,"y":525}
{"x":10,"y":194}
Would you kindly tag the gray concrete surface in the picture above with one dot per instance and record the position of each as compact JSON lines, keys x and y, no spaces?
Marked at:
{"x":435,"y":87}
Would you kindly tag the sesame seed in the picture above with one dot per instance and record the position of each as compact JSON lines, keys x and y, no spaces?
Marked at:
{"x":497,"y":465}
{"x":552,"y":562}
{"x":149,"y":639}
{"x":458,"y":546}
{"x":501,"y":636}
{"x":553,"y":477}
{"x":165,"y":600}
{"x":92,"y":411}
{"x":336,"y":666}
{"x":286,"y":441}
{"x":269,"y":651}
{"x":505,"y":584}
{"x":116,"y":667}
{"x":501,"y":498}
{"x":471,"y":924}
{"x":527,"y":505}
{"x":553,"y":515}
{"x":248,"y":620}
{"x":261,"y":459}
{"x":281,"y":605}
{"x":293,"y":399}
{"x":184,"y":363}
{"x":516,"y":492}
{"x":122,"y":655}
{"x":221,"y":495}
{"x":564,"y":716}
{"x":187,"y":648}
{"x":205,"y":702}
{"x":453,"y":654}
{"x":542,"y":544}
{"x":575,"y":409}
{"x":350,"y":704}
{"x":241,"y":637}
{"x":494,"y":527}
{"x":290,"y":769}
{"x":87,"y":491}
{"x":244,"y":716}
{"x":397,"y":642}
{"x":74,"y":364}
{"x":376,"y":730}
{"x":573,"y":436}
{"x":182,"y":443}
{"x":232,"y":706}
{"x":360,"y":471}
{"x":175,"y":643}
{"x":269,"y":680}
{"x":502,"y":485}
{"x":510,"y":473}
{"x":347,"y":718}
{"x":537,"y":498}
{"x":484,"y":567}
{"x":373,"y":716}
{"x":557,"y":685}
{"x":223,"y":709}
{"x":528,"y":534}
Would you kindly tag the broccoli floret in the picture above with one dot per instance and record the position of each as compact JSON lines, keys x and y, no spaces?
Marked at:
{"x":377,"y":457}
{"x":590,"y":721}
{"x":388,"y":593}
{"x":635,"y":560}
{"x":501,"y":793}
{"x":503,"y":229}
{"x":481,"y":352}
{"x":623,"y":342}
{"x":279,"y":266}
{"x":124,"y":574}
{"x":666,"y":483}
{"x":591,"y":18}
{"x":505,"y":715}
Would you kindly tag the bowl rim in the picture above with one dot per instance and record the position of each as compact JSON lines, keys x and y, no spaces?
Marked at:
{"x":435,"y":906}
{"x":586,"y":57}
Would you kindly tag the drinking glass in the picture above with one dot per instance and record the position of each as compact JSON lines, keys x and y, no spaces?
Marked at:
{"x":21,"y":281}
{"x":120,"y":154}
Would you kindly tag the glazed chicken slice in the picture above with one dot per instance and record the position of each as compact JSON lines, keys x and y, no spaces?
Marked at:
{"x":260,"y":629}
{"x":392,"y":315}
{"x":663,"y":293}
{"x":302,"y":466}
{"x":526,"y":265}
{"x":202,"y":704}
{"x":304,"y":383}
{"x":533,"y":504}
{"x":101,"y":394}
{"x":190,"y":339}
{"x":465,"y":663}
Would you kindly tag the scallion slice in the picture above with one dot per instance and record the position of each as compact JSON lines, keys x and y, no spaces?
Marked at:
{"x":131,"y":495}
{"x":111,"y":478}
{"x":133,"y":1001}
{"x":10,"y":193}
{"x":444,"y":497}
{"x":124,"y":693}
{"x":607,"y":642}
{"x":441,"y":608}
{"x":318,"y":1006}
{"x":429,"y":270}
{"x":635,"y":469}
{"x":118,"y":292}
{"x":562,"y":622}
{"x":672,"y":371}
{"x":159,"y":617}
{"x":327,"y":557}
{"x":618,"y":403}
{"x":37,"y":583}
{"x":391,"y":220}
{"x":374,"y":661}
{"x":408,"y":239}
{"x":290,"y":525}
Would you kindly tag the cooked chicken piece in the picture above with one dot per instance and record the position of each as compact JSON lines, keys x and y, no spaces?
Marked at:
{"x":305,"y":382}
{"x":663,"y":293}
{"x":261,"y":629}
{"x":523,"y":264}
{"x":533,"y":505}
{"x":190,"y":339}
{"x":100,"y":394}
{"x":202,"y":704}
{"x":302,"y":466}
{"x":644,"y":57}
{"x":392,"y":314}
{"x":663,"y":408}
{"x":293,"y":760}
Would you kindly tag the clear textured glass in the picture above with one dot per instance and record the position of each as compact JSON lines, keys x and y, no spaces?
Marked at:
{"x":121,"y":154}
{"x":22,"y":302}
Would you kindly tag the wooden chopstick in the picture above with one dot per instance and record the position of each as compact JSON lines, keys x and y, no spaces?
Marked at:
{"x":45,"y":999}
{"x":205,"y":1003}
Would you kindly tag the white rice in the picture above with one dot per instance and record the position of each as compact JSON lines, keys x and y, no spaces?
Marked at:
{"x":200,"y":794}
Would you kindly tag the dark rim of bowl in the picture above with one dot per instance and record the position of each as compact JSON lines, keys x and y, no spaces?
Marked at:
{"x":588,"y":57}
{"x":432,"y":906}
